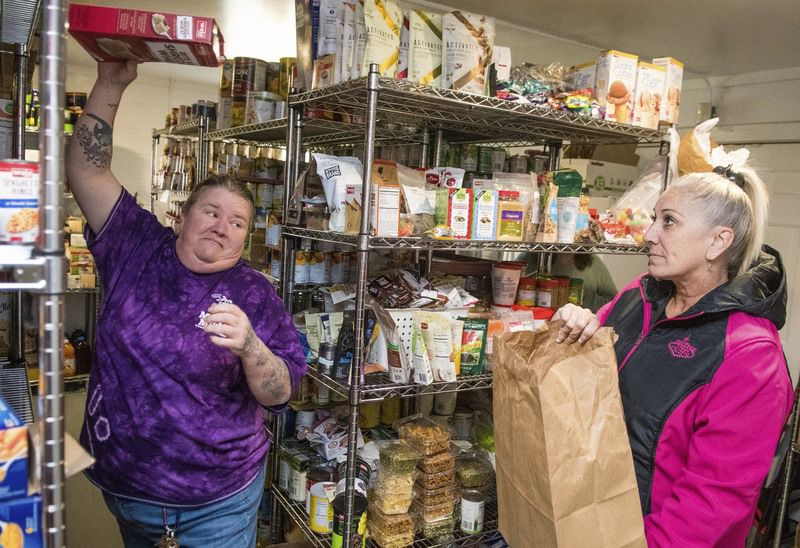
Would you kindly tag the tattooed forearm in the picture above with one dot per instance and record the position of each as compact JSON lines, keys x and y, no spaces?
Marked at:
{"x":267,"y":374}
{"x":95,"y":142}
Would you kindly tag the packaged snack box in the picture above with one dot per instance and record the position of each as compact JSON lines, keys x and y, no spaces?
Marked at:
{"x":649,"y":98}
{"x":673,"y":82}
{"x":20,"y":523}
{"x":583,"y":76}
{"x":115,"y":34}
{"x":616,"y":80}
{"x":13,"y":456}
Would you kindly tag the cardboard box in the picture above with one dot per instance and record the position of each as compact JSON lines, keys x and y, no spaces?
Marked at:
{"x":583,"y":76}
{"x":76,"y":239}
{"x":20,"y":523}
{"x":616,"y":81}
{"x":87,"y":281}
{"x":454,"y":209}
{"x":13,"y":455}
{"x":114,"y":34}
{"x":384,"y":200}
{"x":648,"y":99}
{"x":673,"y":83}
{"x":604,"y":178}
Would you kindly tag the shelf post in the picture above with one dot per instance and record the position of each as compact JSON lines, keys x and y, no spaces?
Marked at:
{"x":202,"y":149}
{"x":20,"y":90}
{"x":356,"y":368}
{"x":437,"y":148}
{"x":51,"y":300}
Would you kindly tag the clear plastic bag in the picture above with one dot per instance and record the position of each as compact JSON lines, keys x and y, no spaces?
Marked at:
{"x":633,"y":210}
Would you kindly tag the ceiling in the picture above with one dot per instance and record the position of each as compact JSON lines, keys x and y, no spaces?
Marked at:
{"x":713,"y":37}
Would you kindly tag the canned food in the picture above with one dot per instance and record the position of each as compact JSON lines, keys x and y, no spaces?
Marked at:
{"x":303,"y":422}
{"x":249,"y":74}
{"x":369,"y":415}
{"x":518,"y":164}
{"x":363,"y":473}
{"x":286,"y":75}
{"x":327,"y":352}
{"x":226,"y":78}
{"x":472,"y":508}
{"x":320,"y":507}
{"x":358,"y":524}
{"x":274,"y":78}
{"x":469,"y":158}
{"x":238,"y":110}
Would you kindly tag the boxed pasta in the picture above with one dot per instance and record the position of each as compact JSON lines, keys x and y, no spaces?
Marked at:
{"x":425,"y":48}
{"x":673,"y":82}
{"x":648,"y":101}
{"x":616,"y":80}
{"x":13,"y":455}
{"x":116,"y":34}
{"x":21,"y":523}
{"x":467,"y":42}
{"x":19,"y":201}
{"x":382,"y":23}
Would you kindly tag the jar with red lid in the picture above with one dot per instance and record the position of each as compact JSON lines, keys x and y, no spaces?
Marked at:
{"x":526,"y":294}
{"x":547,"y":293}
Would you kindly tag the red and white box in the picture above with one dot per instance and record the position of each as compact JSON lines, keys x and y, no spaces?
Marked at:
{"x":116,"y":34}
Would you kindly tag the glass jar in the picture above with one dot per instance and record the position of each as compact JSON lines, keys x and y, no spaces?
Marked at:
{"x":576,"y":291}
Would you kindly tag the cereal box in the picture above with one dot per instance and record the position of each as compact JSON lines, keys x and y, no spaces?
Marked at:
{"x":13,"y":455}
{"x":115,"y":34}
{"x":648,"y":98}
{"x":467,"y":42}
{"x":673,"y":82}
{"x":583,"y":76}
{"x":616,"y":80}
{"x":425,"y":48}
{"x":20,"y":523}
{"x":19,"y":201}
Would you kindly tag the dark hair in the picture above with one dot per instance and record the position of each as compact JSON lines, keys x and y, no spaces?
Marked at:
{"x":225,"y":182}
{"x":583,"y":261}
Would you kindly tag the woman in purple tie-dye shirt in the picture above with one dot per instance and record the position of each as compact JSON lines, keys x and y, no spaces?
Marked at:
{"x":192,"y":344}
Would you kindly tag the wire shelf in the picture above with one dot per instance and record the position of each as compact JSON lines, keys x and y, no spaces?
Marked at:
{"x":316,"y":132}
{"x":466,"y":116}
{"x":378,"y":386}
{"x":186,"y":129}
{"x":464,"y":245}
{"x":297,"y":512}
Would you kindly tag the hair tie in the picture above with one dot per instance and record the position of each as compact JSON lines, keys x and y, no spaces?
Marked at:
{"x":733,"y":176}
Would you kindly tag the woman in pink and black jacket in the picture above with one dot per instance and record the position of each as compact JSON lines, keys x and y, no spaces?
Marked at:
{"x":703,"y":378}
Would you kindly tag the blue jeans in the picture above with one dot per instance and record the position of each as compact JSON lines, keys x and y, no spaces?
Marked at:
{"x":228,"y":523}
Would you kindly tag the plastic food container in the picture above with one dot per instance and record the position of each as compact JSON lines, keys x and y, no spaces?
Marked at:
{"x":474,"y":472}
{"x":390,"y":503}
{"x":438,"y":480}
{"x":432,"y":497}
{"x":433,"y":513}
{"x":424,"y":434}
{"x":390,"y":530}
{"x":437,"y":528}
{"x":398,"y":457}
{"x":440,"y":462}
{"x":395,"y":484}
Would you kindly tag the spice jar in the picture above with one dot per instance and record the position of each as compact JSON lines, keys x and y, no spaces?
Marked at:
{"x":563,"y":291}
{"x":547,"y":293}
{"x":576,"y":291}
{"x":526,"y":294}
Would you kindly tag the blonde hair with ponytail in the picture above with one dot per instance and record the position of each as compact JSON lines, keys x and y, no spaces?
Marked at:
{"x":743,"y":209}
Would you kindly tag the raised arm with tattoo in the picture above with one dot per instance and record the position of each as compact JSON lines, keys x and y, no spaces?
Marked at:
{"x":89,"y":155}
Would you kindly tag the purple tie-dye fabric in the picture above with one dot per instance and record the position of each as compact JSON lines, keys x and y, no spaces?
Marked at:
{"x":169,"y":416}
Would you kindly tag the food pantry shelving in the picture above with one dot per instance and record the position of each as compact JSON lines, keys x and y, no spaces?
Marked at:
{"x":377,"y":104}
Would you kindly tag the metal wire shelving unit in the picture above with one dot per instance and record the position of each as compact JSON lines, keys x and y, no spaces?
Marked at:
{"x":375,"y":104}
{"x":297,"y":512}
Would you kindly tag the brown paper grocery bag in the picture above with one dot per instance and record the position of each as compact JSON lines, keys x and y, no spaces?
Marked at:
{"x":564,"y":467}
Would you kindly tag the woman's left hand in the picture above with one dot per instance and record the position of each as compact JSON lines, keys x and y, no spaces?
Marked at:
{"x":229,"y":327}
